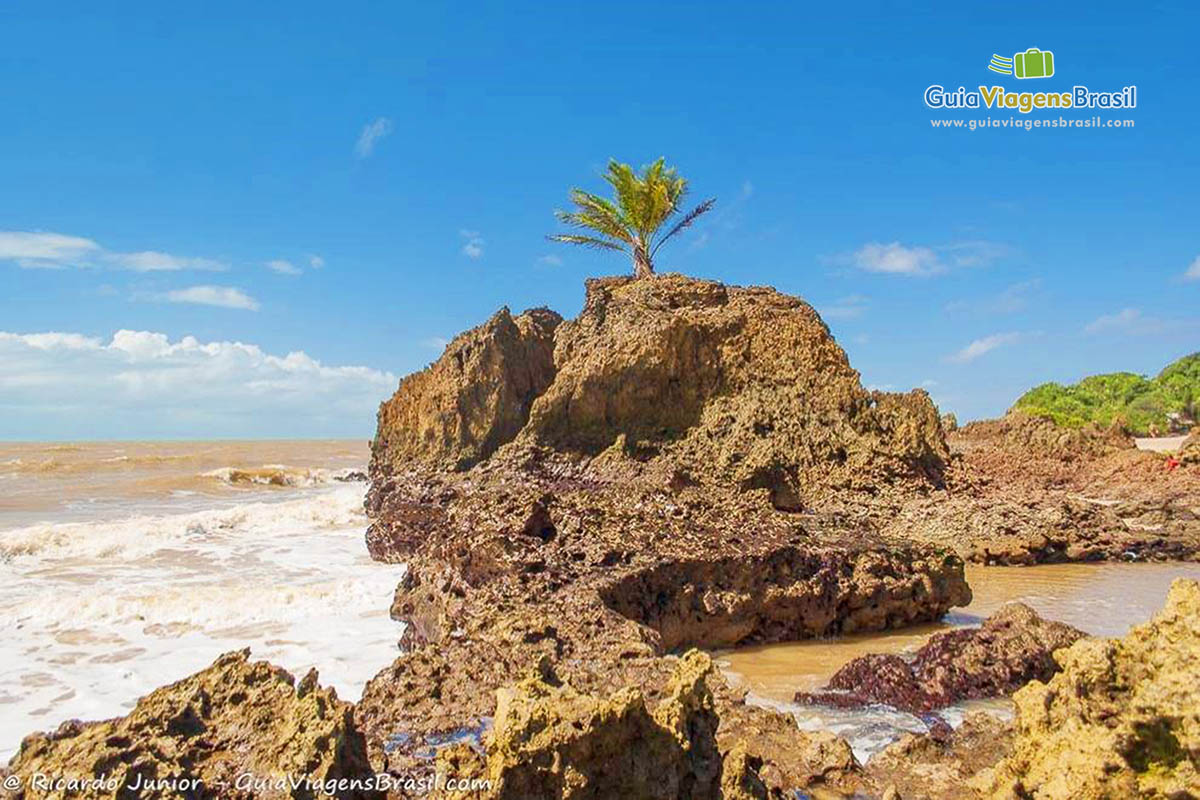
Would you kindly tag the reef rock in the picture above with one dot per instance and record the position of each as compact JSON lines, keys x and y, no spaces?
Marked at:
{"x":745,"y":384}
{"x":1013,"y":647}
{"x":1122,"y":718}
{"x":665,"y":492}
{"x":474,"y":398}
{"x":939,"y":765}
{"x":553,"y":742}
{"x":235,"y":729}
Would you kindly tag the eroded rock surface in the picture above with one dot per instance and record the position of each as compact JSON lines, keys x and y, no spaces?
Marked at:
{"x":1013,"y":647}
{"x":664,"y":494}
{"x":1122,"y":718}
{"x":474,"y":398}
{"x":229,"y":731}
{"x":1022,"y":490}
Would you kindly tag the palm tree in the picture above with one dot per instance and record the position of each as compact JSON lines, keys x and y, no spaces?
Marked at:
{"x":631,"y":225}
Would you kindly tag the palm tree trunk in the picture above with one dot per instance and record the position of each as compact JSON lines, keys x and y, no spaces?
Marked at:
{"x":641,"y":262}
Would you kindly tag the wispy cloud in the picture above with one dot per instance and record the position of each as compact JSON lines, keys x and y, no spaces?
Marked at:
{"x":435,"y":343}
{"x":42,"y":250}
{"x":154,"y":261}
{"x":282,"y":266}
{"x":473,"y":246}
{"x":1133,"y":322}
{"x":849,"y":307}
{"x":981,"y":347}
{"x":36,"y":249}
{"x":1124,"y":319}
{"x":1010,"y":300}
{"x":1192,"y":273}
{"x":550,"y":261}
{"x":315,"y":261}
{"x":220,"y":296}
{"x":918,"y":261}
{"x":371,"y":134}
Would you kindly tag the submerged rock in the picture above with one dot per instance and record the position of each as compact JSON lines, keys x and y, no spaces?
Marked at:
{"x":1122,"y":718}
{"x":1013,"y":647}
{"x":940,"y":764}
{"x":235,"y":729}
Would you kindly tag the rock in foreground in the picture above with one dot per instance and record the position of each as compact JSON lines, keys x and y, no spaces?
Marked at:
{"x":1122,"y":719}
{"x":232,"y":730}
{"x":1013,"y":647}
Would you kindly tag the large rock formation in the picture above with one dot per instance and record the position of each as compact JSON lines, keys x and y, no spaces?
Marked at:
{"x":236,"y":729}
{"x":1011,"y":648}
{"x":746,"y":385}
{"x":475,"y":398}
{"x":663,"y":494}
{"x":1122,"y":719}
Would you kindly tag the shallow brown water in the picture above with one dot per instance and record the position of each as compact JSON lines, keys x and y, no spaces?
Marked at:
{"x":1102,"y":599}
{"x":65,"y":481}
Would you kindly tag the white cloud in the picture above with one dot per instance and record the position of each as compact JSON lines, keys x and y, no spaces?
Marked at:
{"x":316,"y":262}
{"x":1193,"y":272}
{"x":34,"y":250}
{"x":435,"y":343}
{"x":920,"y":262}
{"x":222,"y":296}
{"x":928,"y":383}
{"x":981,"y":347}
{"x":372,"y":132}
{"x":896,"y":259}
{"x":550,"y":261}
{"x":142,"y":384}
{"x":473,"y":247}
{"x":283,"y":267}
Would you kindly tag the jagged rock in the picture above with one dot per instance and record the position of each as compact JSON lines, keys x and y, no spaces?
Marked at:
{"x":1122,"y":719}
{"x":1022,"y":490}
{"x":940,"y":767}
{"x":1189,"y":451}
{"x":746,"y":383}
{"x":659,"y":497}
{"x":1011,"y":648}
{"x":552,"y":742}
{"x":231,"y":730}
{"x":474,"y":398}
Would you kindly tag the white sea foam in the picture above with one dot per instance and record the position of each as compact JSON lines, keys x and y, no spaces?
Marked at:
{"x":281,"y":475}
{"x":95,"y":614}
{"x":143,"y":534}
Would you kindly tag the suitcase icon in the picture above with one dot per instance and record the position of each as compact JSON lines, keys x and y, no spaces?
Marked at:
{"x":1034,"y":63}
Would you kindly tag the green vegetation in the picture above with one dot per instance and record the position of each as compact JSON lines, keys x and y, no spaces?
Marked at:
{"x":1136,"y":401}
{"x":631,"y":224}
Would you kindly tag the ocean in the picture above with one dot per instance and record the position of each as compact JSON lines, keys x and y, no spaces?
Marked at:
{"x":125,"y":566}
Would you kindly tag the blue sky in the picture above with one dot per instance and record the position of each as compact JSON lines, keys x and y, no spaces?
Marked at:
{"x":359,"y":182}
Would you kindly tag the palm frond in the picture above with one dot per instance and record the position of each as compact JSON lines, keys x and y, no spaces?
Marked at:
{"x":687,"y":220}
{"x":585,"y":241}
